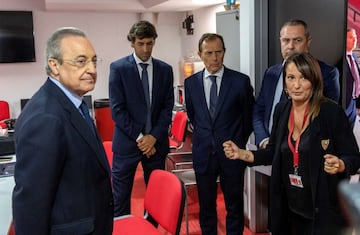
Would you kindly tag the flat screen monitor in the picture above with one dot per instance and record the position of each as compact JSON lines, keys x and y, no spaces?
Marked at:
{"x":16,"y":37}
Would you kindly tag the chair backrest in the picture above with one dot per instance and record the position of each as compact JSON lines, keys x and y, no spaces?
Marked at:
{"x":165,"y":200}
{"x":4,"y":110}
{"x":11,"y":230}
{"x":108,"y":150}
{"x":178,"y":126}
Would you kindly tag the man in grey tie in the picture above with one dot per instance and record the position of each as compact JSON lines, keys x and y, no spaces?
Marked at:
{"x":294,"y":37}
{"x":141,"y":100}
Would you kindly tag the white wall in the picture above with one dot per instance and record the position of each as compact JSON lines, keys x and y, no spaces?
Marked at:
{"x":107,"y":31}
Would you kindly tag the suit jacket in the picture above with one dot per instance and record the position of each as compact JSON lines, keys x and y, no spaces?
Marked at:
{"x":264,"y":101}
{"x":350,"y":81}
{"x":232,"y":119}
{"x":128,"y":105}
{"x":62,"y":176}
{"x":331,"y":124}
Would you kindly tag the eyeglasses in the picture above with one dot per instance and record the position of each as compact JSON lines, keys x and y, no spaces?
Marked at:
{"x":82,"y":62}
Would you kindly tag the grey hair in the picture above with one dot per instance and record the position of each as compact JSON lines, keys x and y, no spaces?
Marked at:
{"x":53,"y":45}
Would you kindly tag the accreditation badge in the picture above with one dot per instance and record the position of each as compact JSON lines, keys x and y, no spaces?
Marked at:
{"x":295,"y":180}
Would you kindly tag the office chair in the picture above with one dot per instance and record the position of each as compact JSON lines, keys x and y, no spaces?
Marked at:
{"x":4,"y":110}
{"x":11,"y":230}
{"x":177,"y":131}
{"x":164,"y":200}
{"x":108,"y":150}
{"x":187,"y":176}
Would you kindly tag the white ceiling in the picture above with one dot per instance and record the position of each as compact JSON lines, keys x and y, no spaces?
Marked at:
{"x":129,"y":5}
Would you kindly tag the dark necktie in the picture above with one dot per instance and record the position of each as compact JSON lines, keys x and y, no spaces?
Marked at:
{"x":85,"y":111}
{"x":213,"y":96}
{"x":355,"y":74}
{"x":145,"y":83}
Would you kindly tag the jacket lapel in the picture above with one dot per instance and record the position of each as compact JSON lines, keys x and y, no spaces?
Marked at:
{"x":199,"y":86}
{"x":135,"y":75}
{"x":314,"y":160}
{"x":79,"y":124}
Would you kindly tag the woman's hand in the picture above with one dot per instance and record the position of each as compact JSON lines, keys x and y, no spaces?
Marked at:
{"x":233,"y":152}
{"x":333,"y":164}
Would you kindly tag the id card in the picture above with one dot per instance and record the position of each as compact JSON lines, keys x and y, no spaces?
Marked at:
{"x":295,"y":180}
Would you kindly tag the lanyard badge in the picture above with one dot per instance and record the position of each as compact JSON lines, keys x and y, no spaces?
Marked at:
{"x":295,"y":179}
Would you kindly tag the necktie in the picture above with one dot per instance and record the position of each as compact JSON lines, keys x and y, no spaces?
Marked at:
{"x":85,"y":111}
{"x":213,"y":95}
{"x":355,"y":74}
{"x":277,"y":96}
{"x":145,"y":83}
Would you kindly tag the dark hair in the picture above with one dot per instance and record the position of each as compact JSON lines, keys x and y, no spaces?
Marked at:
{"x":309,"y":67}
{"x":142,"y":29}
{"x":296,"y":22}
{"x":210,"y":37}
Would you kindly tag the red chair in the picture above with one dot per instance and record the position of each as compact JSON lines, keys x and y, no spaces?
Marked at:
{"x":11,"y":229}
{"x":177,"y":131}
{"x":164,"y":200}
{"x":108,"y":150}
{"x":4,"y":110}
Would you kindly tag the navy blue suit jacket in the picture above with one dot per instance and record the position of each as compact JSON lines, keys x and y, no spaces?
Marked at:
{"x":128,"y":105}
{"x":232,"y":121}
{"x":63,"y":179}
{"x":264,"y":101}
{"x":350,"y":82}
{"x":331,"y":124}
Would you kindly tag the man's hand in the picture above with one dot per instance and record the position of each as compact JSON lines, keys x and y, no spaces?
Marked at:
{"x":146,"y":145}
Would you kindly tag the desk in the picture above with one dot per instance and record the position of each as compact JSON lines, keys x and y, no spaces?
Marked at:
{"x":179,"y":161}
{"x":180,"y":158}
{"x":6,"y":187}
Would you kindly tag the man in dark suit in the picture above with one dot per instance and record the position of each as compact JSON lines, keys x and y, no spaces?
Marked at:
{"x":294,"y":37}
{"x":141,"y":111}
{"x":352,"y":99}
{"x":63,"y":179}
{"x":219,"y":103}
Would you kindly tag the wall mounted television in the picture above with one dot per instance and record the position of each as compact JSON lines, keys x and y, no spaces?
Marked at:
{"x":16,"y":37}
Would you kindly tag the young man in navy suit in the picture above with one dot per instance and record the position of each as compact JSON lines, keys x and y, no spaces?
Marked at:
{"x":141,"y":100}
{"x":62,"y":176}
{"x":294,"y":37}
{"x":352,"y":103}
{"x":219,"y":104}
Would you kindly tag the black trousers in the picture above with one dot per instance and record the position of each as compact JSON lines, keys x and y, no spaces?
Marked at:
{"x":232,"y":186}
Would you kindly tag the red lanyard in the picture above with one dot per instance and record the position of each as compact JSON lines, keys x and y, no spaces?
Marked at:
{"x":295,"y":149}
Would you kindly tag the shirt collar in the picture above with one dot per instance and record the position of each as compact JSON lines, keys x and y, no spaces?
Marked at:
{"x":74,"y":98}
{"x":138,"y":60}
{"x":217,"y":74}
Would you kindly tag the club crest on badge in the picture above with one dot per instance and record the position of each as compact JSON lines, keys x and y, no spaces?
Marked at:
{"x":325,"y":144}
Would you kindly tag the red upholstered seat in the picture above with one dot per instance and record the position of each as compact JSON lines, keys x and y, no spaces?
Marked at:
{"x":164,"y":201}
{"x":4,"y":110}
{"x":11,"y":229}
{"x":177,"y":131}
{"x":109,"y":153}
